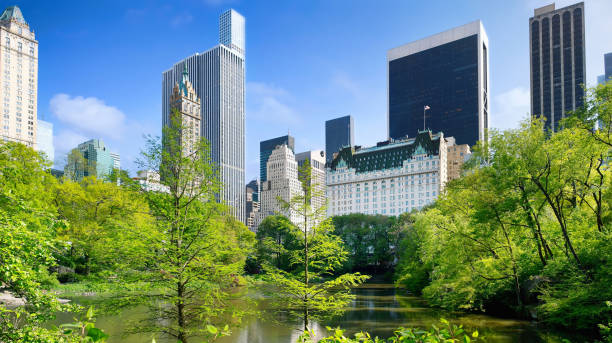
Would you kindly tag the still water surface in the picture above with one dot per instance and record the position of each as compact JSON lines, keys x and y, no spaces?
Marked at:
{"x":378,"y":309}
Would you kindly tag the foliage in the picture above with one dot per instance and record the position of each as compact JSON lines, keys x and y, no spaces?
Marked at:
{"x":527,"y":228}
{"x":447,"y":333}
{"x":27,"y":244}
{"x":304,"y":292}
{"x":277,"y":241}
{"x":372,"y":241}
{"x":100,"y":215}
{"x":200,"y":247}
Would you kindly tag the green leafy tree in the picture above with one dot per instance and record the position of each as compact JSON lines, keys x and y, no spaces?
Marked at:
{"x":27,"y":246}
{"x":201,"y":248}
{"x":305,"y":292}
{"x":110,"y":226}
{"x":277,"y":241}
{"x":527,"y":227}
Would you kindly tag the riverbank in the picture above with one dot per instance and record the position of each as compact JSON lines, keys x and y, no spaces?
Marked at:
{"x":9,"y":300}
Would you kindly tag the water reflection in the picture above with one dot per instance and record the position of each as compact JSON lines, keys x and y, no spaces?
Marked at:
{"x":378,"y":309}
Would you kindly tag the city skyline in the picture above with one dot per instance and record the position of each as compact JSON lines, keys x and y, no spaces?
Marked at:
{"x":348,"y":78}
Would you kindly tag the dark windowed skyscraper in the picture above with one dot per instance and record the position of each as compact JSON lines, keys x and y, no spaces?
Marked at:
{"x":339,"y":132}
{"x":265,"y":150}
{"x":608,"y":66}
{"x":447,"y":72}
{"x":557,"y":61}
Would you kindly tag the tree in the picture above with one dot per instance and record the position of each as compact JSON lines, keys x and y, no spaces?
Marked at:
{"x":27,"y":245}
{"x":277,"y":240}
{"x":305,"y":292}
{"x":201,"y":248}
{"x":372,"y":241}
{"x":110,"y":226}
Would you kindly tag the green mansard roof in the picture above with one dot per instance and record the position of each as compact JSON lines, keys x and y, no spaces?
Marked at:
{"x":12,"y":12}
{"x":387,"y":155}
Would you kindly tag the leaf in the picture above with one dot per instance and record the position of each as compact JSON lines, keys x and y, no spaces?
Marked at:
{"x":90,"y":312}
{"x":212,"y":329}
{"x":97,"y":335}
{"x":475,"y":334}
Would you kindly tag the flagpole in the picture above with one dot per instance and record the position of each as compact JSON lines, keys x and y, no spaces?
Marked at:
{"x":425,"y":108}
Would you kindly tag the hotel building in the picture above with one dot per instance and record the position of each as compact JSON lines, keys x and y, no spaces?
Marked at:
{"x":390,"y":178}
{"x":19,"y":70}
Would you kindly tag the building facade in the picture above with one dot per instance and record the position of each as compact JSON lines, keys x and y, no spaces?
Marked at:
{"x":19,"y":70}
{"x":252,"y":203}
{"x":218,"y":77}
{"x":339,"y":132}
{"x":282,"y":182}
{"x":608,"y":66}
{"x":448,"y":73}
{"x":116,"y":158}
{"x":185,"y":110}
{"x":90,"y":158}
{"x":390,"y":178}
{"x":149,"y":181}
{"x":557,"y":61}
{"x":265,"y":150}
{"x":317,"y":160}
{"x":44,"y":139}
{"x":456,"y":156}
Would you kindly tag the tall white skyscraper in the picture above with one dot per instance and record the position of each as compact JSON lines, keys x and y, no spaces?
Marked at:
{"x":231,"y":30}
{"x":19,"y":70}
{"x":44,"y":139}
{"x":218,"y":76}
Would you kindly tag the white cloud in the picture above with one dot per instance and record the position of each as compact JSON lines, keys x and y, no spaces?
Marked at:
{"x":90,"y":115}
{"x":64,"y":141}
{"x":269,"y":103}
{"x":509,"y":108}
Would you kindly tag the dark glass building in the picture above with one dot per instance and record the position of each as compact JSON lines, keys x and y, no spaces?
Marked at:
{"x":265,"y":150}
{"x":557,"y":62}
{"x":448,"y":72}
{"x":339,"y":133}
{"x":608,"y":66}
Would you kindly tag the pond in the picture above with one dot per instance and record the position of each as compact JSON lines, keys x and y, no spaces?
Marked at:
{"x":377,"y":308}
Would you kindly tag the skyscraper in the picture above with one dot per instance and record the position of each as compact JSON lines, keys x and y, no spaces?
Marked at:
{"x":339,"y":133}
{"x":282,"y":182}
{"x":90,"y":158}
{"x":608,"y":66}
{"x":317,"y":174}
{"x":19,"y":67}
{"x":218,"y":77}
{"x":44,"y":139}
{"x":265,"y":150}
{"x":558,"y":70}
{"x":447,"y":73}
{"x":116,"y":159}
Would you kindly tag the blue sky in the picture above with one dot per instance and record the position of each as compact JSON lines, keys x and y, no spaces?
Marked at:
{"x":100,"y":62}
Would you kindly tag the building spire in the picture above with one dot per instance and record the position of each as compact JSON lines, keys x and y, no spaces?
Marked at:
{"x":183,"y":83}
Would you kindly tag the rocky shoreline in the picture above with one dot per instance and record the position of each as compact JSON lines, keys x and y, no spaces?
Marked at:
{"x":9,"y":300}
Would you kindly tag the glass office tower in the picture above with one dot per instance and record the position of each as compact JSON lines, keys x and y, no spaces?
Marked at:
{"x":557,"y":53}
{"x":608,"y":66}
{"x":218,"y":76}
{"x":447,"y":72}
{"x":339,"y":133}
{"x":265,"y":150}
